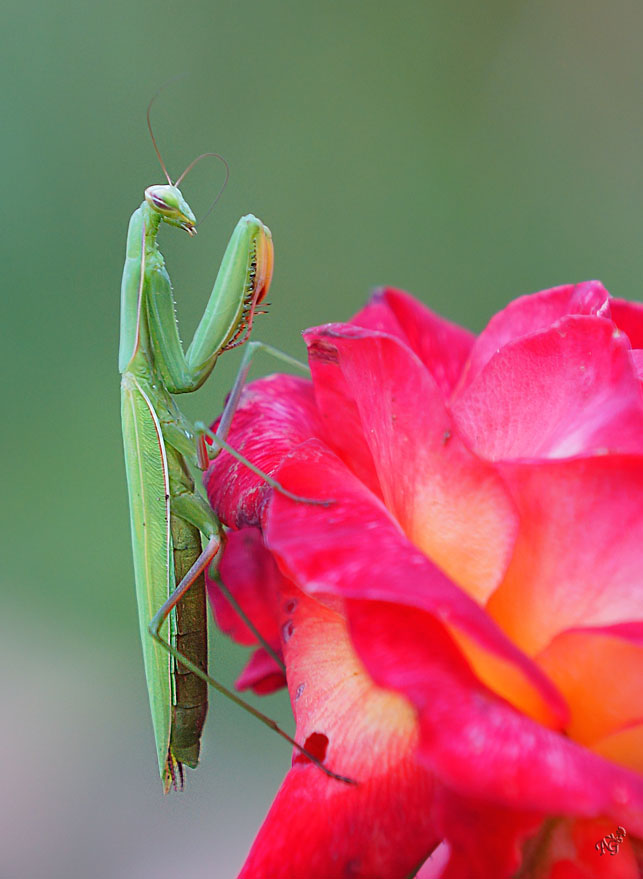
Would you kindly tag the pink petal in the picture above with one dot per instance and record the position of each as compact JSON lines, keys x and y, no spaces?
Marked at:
{"x":532,"y":314}
{"x":275,"y":415}
{"x":318,"y":828}
{"x":262,"y":675}
{"x":251,"y":576}
{"x":443,"y":347}
{"x":435,"y":866}
{"x":599,"y":672}
{"x":577,"y":560}
{"x":628,"y":317}
{"x":484,"y":839}
{"x":322,"y":828}
{"x":355,"y":549}
{"x":566,"y":391}
{"x":249,"y":573}
{"x":451,"y":505}
{"x":477,"y":744}
{"x":339,"y":413}
{"x":637,"y":363}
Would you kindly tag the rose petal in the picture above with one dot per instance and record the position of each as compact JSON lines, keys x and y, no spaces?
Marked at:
{"x":275,"y":414}
{"x":262,"y":674}
{"x":577,"y":560}
{"x":485,"y":839}
{"x":435,"y":866}
{"x":327,"y":682}
{"x":442,"y":346}
{"x":477,"y":744}
{"x":599,"y":672}
{"x":319,"y":827}
{"x":628,"y":316}
{"x":353,"y":548}
{"x":451,"y":505}
{"x":251,"y":576}
{"x":340,"y":416}
{"x":533,"y":314}
{"x":566,"y":391}
{"x":637,"y":363}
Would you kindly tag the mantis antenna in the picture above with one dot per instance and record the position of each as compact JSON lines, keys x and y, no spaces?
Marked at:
{"x":192,"y":163}
{"x":223,"y":185}
{"x":155,"y":145}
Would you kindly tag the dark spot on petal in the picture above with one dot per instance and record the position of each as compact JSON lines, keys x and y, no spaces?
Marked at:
{"x":317,"y":745}
{"x":352,"y":869}
{"x":322,"y":351}
{"x":290,"y":605}
{"x":287,"y":630}
{"x":300,"y":689}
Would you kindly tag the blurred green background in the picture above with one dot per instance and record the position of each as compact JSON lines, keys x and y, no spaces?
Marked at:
{"x":467,"y":152}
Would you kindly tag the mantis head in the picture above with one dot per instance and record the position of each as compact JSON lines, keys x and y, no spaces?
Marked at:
{"x":168,"y":201}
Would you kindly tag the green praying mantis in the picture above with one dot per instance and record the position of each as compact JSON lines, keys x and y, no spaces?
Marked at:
{"x":168,"y":516}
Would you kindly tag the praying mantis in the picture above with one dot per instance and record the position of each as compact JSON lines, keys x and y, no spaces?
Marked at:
{"x":168,"y":517}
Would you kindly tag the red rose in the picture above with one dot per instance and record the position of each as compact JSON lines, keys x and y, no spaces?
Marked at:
{"x":462,"y":626}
